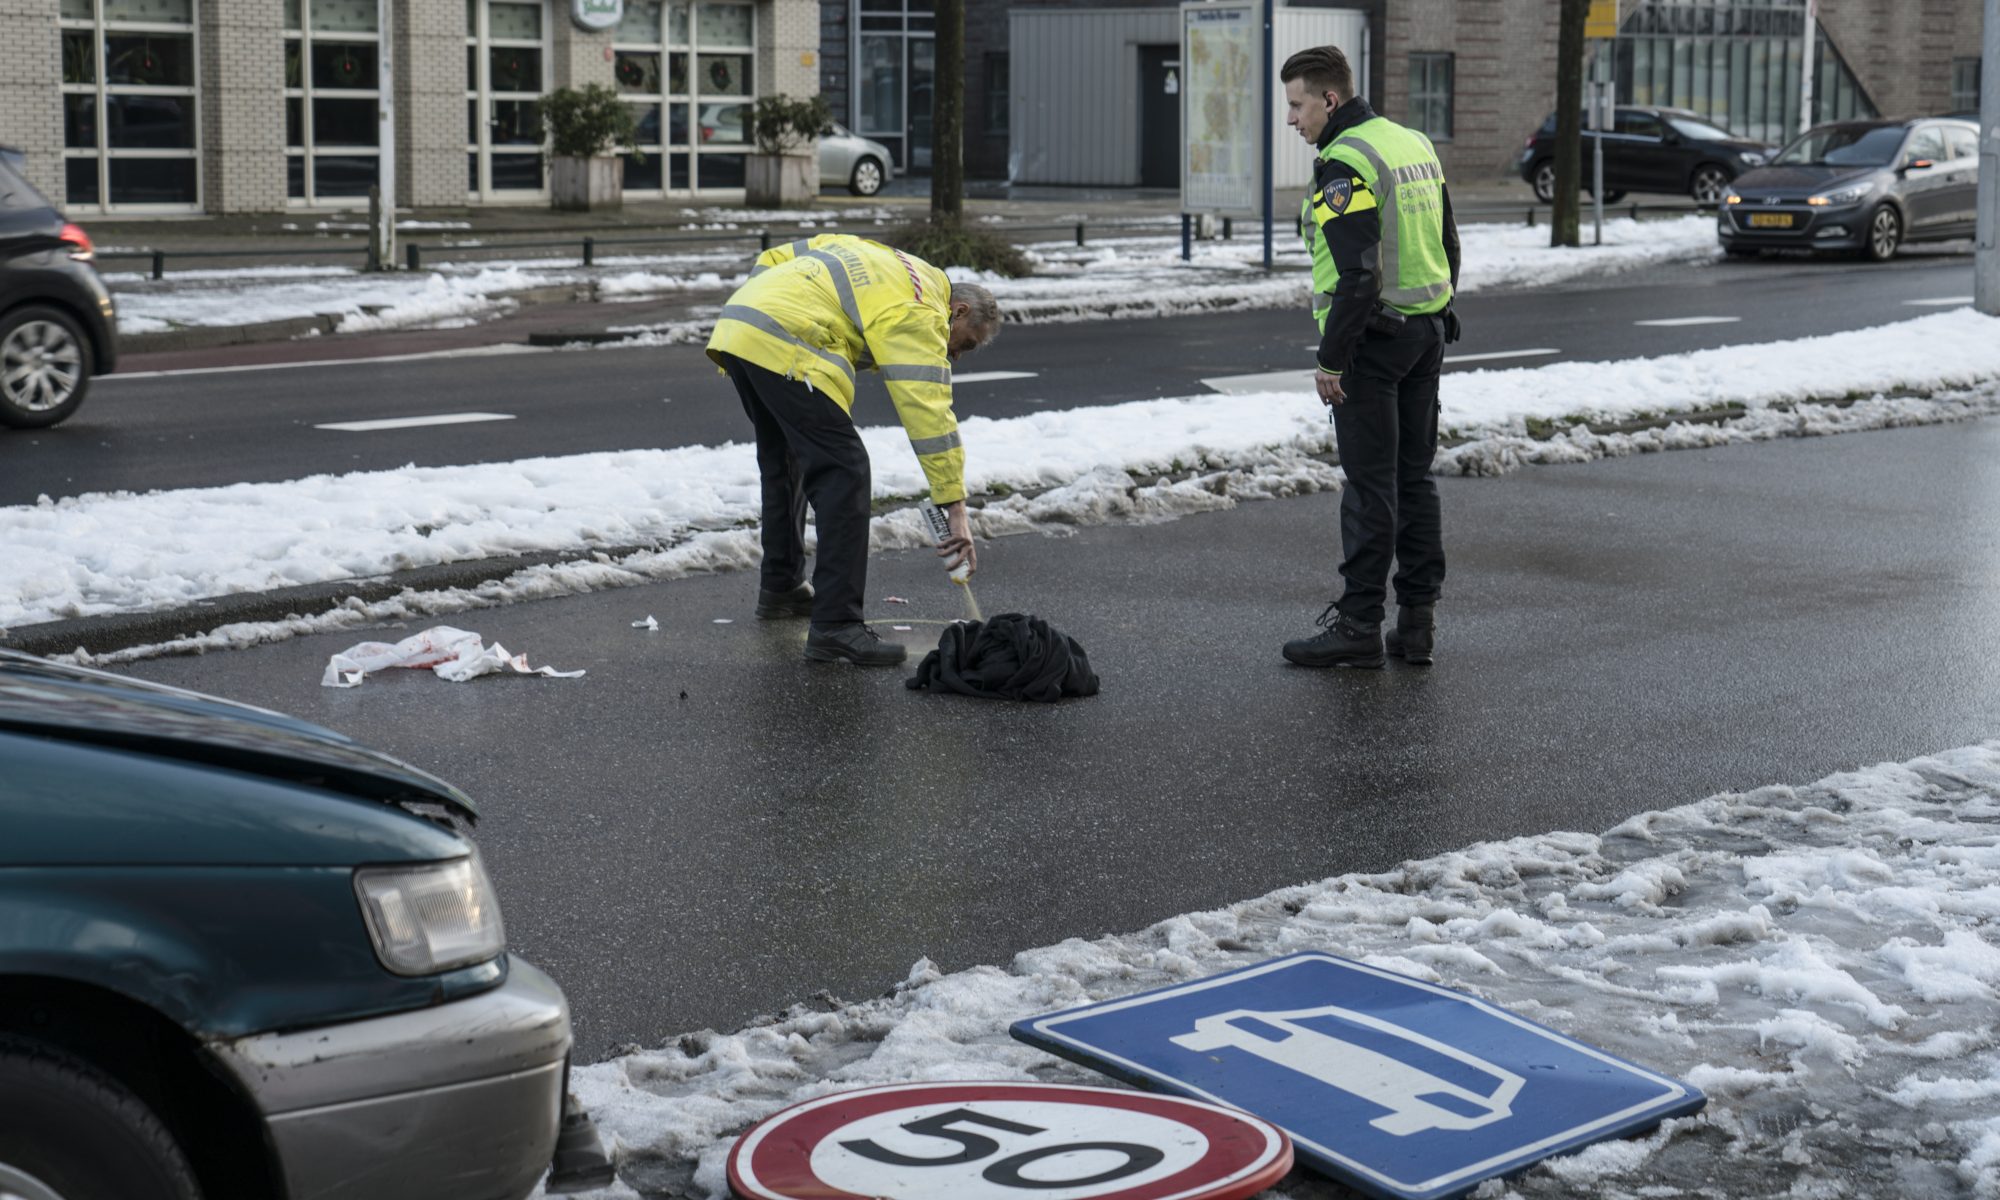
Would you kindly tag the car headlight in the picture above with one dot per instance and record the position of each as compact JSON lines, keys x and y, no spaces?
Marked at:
{"x":1732,"y":196}
{"x":1752,"y":158}
{"x":431,"y":918}
{"x":1846,"y":195}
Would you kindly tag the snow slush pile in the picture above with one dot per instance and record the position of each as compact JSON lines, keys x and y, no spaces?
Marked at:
{"x":102,"y":553}
{"x":1818,"y":959}
{"x":363,"y":301}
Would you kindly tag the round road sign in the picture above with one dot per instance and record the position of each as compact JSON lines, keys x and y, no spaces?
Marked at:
{"x":1007,"y":1141}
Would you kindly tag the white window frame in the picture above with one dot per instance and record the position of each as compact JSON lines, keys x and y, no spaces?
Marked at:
{"x":306,"y":92}
{"x":479,"y":92}
{"x":101,"y":30}
{"x":692,"y":48}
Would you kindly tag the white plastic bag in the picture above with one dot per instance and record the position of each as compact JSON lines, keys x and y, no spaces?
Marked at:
{"x":453,"y":654}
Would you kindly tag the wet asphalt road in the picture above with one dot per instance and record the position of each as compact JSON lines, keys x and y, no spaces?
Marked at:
{"x":206,"y":430}
{"x":1617,"y":637}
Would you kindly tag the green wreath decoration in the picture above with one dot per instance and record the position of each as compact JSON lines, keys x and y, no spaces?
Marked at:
{"x":718,"y":74}
{"x":630,"y":73}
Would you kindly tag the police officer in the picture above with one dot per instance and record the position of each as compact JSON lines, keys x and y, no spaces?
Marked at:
{"x":790,"y":339}
{"x":1385,"y":260}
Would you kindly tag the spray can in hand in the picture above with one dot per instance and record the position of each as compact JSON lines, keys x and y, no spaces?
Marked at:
{"x":941,"y":533}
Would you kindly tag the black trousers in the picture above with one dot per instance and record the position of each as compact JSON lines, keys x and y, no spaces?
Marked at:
{"x":808,"y":451}
{"x":1387,"y":431}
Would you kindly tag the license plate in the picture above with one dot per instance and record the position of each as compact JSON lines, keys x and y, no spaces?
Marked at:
{"x":1770,"y":220}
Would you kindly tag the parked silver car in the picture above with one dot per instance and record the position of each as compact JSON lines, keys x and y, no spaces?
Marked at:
{"x":852,"y":161}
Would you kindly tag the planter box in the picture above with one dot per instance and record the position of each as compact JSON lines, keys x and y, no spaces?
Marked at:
{"x":587,"y":184}
{"x":782,"y":180}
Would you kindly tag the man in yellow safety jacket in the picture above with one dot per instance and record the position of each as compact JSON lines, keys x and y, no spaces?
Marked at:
{"x":791,"y":339}
{"x":1385,"y":263}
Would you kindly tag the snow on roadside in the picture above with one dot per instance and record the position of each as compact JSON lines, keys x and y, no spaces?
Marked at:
{"x":102,"y":553}
{"x":1817,"y":958}
{"x":1112,"y":278}
{"x":363,"y":301}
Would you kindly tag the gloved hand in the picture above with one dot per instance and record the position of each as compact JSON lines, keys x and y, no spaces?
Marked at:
{"x":1451,"y":329}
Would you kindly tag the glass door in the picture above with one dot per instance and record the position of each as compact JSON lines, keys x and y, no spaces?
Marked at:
{"x":923,"y":77}
{"x":506,"y":73}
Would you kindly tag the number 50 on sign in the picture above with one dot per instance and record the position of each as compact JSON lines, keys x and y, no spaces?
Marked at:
{"x":1007,"y":1141}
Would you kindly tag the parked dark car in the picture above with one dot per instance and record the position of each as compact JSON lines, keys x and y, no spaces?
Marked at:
{"x":1650,"y":150}
{"x":1861,"y":186}
{"x":243,"y":956}
{"x":57,"y":327}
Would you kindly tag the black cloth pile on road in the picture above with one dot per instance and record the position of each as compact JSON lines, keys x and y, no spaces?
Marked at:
{"x":1013,"y":656}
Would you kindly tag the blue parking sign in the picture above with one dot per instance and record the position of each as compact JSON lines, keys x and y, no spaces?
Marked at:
{"x":1395,"y":1086}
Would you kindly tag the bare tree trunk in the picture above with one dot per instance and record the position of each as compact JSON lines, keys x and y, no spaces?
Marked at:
{"x":948,"y":115}
{"x":1564,"y":225}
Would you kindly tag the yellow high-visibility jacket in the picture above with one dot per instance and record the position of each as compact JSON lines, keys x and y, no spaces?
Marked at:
{"x":815,"y":308}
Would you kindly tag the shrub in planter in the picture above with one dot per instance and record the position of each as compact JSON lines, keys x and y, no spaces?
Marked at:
{"x":585,"y":126}
{"x":943,"y":242}
{"x":783,"y":171}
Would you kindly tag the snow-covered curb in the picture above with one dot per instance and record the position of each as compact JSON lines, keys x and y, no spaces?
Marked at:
{"x":1818,"y":959}
{"x":1114,"y":277}
{"x":101,"y":553}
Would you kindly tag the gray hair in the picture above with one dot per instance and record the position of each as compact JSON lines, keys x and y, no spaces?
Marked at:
{"x":985,"y":314}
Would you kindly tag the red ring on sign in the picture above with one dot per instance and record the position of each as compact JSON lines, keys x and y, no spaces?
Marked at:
{"x":1245,"y":1155}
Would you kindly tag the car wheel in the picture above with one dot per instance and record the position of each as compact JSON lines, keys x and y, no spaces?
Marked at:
{"x":1710,"y":185}
{"x":70,"y":1132}
{"x":1885,"y":233}
{"x":44,"y":367}
{"x":1545,"y":181}
{"x":867,"y":178}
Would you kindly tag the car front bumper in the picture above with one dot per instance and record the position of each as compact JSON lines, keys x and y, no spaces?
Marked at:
{"x":1844,"y":228}
{"x":462,"y":1099}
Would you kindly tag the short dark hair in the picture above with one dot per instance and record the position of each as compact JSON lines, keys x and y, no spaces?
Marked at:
{"x":1324,"y":68}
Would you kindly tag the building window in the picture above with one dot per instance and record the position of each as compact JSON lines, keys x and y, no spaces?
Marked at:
{"x":1430,"y":95}
{"x":1738,"y":65}
{"x":895,"y":76}
{"x":996,"y":93}
{"x":333,"y":94}
{"x":1965,"y":85}
{"x":131,"y":120}
{"x":506,"y":73}
{"x":687,"y":71}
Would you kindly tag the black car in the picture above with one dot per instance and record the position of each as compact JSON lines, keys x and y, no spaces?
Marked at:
{"x":1650,"y":150}
{"x":1861,"y":186}
{"x":57,"y":327}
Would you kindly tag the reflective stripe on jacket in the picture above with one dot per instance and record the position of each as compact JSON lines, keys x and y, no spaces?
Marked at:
{"x":1398,"y":169}
{"x":815,"y":308}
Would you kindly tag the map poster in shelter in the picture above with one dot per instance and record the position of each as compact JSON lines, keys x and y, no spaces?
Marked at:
{"x":1222,"y":57}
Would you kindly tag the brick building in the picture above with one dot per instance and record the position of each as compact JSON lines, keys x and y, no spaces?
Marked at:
{"x":224,"y":106}
{"x":1477,"y":75}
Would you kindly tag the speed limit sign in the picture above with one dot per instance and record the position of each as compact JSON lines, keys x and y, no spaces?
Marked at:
{"x":1007,"y":1141}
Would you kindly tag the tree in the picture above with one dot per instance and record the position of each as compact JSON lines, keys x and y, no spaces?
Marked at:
{"x":1565,"y":224}
{"x":948,"y":115}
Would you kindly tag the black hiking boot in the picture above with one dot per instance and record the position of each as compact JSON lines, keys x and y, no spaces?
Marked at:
{"x":855,"y":643}
{"x":793,"y":602}
{"x":1341,"y":642}
{"x":1414,"y":635}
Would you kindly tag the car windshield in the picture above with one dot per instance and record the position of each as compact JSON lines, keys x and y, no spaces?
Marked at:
{"x":1691,"y":128}
{"x":1845,"y":146}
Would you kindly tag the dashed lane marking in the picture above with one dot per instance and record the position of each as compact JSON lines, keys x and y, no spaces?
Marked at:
{"x":1674,"y":322}
{"x":1941,"y":302}
{"x":991,"y":376}
{"x":1493,"y":354}
{"x":468,"y":418}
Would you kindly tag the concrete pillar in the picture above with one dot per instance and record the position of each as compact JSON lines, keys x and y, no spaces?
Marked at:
{"x":242,"y":107}
{"x":582,"y":56}
{"x":31,"y":90}
{"x":788,"y":48}
{"x":429,"y":86}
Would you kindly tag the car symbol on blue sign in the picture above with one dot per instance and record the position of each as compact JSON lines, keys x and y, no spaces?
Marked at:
{"x":1395,"y":1086}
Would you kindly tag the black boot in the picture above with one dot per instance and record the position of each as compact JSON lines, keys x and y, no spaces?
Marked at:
{"x":1414,"y":635}
{"x":855,"y":643}
{"x":1341,"y":642}
{"x":795,"y":601}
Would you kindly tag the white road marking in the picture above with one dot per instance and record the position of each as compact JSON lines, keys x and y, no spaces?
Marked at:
{"x":1668,"y":322}
{"x":1269,"y":381}
{"x":414,"y":422}
{"x":1941,"y":302}
{"x":991,"y":376}
{"x":1492,"y":354}
{"x":468,"y":352}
